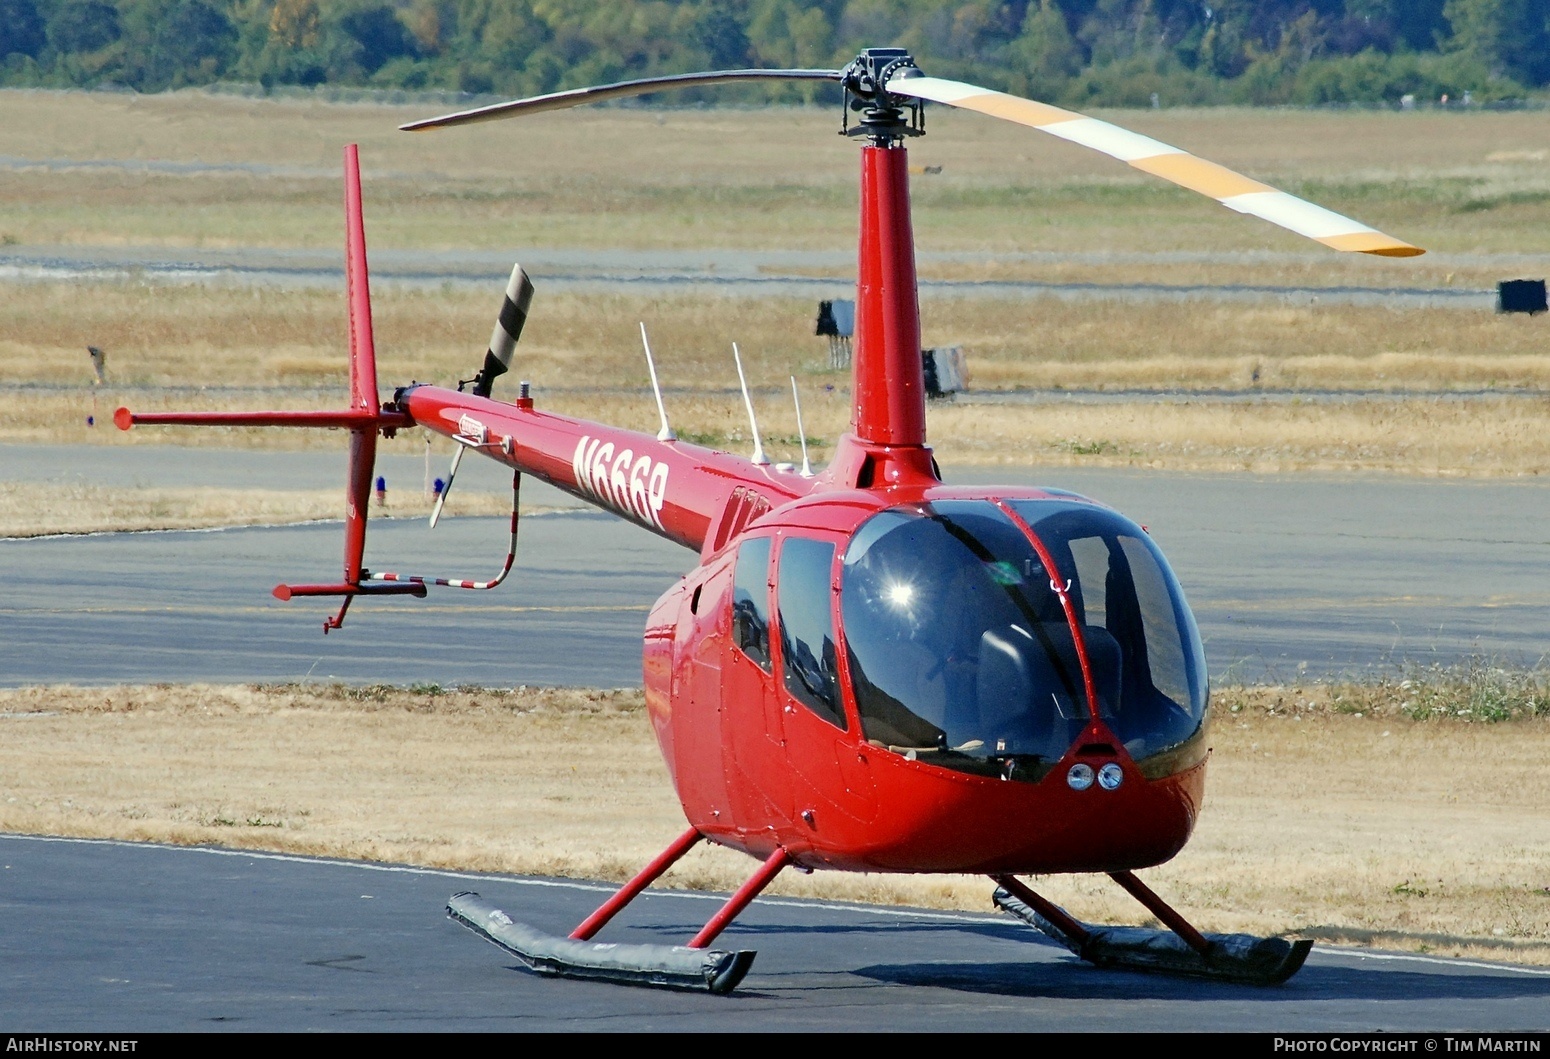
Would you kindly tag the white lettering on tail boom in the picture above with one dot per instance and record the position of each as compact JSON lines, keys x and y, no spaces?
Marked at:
{"x":635,"y":486}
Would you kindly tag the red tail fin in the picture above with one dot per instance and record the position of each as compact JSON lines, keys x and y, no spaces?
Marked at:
{"x":363,"y":371}
{"x":363,"y":351}
{"x":364,"y":418}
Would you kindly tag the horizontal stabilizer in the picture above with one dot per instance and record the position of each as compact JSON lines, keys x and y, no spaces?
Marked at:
{"x":286,"y":592}
{"x":346,"y":419}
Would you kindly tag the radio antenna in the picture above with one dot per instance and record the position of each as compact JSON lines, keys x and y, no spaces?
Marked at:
{"x":666,"y":433}
{"x":796,"y":399}
{"x":753,"y":424}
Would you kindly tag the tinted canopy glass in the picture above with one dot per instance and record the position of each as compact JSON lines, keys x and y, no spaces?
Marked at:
{"x":961,"y":654}
{"x":1126,"y":596}
{"x":751,"y":600}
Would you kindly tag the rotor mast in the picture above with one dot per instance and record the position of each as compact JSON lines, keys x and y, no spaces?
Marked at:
{"x":888,"y":422}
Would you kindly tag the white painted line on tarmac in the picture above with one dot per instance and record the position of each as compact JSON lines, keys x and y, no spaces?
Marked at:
{"x":1356,"y":954}
{"x":560,"y":884}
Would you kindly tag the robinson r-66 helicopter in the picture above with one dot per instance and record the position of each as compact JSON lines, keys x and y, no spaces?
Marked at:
{"x":868,"y":669}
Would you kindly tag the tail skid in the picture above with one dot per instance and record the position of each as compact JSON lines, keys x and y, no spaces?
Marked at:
{"x":372,"y":582}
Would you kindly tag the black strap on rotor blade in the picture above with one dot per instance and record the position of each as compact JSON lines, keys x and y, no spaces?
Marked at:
{"x":599,"y":93}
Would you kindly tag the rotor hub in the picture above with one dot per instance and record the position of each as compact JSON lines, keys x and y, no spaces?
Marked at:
{"x":885,"y":118}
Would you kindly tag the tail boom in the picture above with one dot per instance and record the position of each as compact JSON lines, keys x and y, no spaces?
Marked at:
{"x":673,"y":488}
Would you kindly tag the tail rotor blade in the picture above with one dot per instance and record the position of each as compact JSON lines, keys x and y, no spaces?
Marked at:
{"x":1231,"y":189}
{"x":508,"y":331}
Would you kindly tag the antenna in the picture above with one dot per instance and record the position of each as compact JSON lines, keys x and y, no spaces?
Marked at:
{"x":666,"y":433}
{"x":758,"y":445}
{"x":796,"y":398}
{"x":441,"y":498}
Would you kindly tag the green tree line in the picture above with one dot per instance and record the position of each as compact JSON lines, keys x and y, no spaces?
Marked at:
{"x":1079,"y":52}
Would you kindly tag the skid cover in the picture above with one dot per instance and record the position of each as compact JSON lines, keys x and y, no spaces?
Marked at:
{"x":673,"y":966}
{"x":1241,"y":958}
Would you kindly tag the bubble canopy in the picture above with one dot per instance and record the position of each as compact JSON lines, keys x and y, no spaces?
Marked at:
{"x":965,"y":623}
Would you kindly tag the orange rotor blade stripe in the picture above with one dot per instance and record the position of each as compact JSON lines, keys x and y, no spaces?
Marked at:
{"x":1231,"y":189}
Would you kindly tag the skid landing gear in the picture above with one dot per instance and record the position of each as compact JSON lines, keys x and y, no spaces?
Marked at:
{"x":1181,"y":949}
{"x":691,"y":966}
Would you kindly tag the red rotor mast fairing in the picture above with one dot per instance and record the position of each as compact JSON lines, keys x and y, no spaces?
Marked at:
{"x":868,"y":670}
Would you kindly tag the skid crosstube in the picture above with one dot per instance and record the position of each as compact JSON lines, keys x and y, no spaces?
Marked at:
{"x":1240,"y":958}
{"x":673,"y":966}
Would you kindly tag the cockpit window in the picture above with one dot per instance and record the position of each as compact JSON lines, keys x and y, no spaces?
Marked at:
{"x":751,"y":600}
{"x":959,"y":651}
{"x":809,"y":657}
{"x":961,"y":654}
{"x":1128,"y":592}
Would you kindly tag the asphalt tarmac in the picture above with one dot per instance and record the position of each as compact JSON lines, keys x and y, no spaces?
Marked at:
{"x":735,"y":273}
{"x":127,"y":938}
{"x":1288,"y":575}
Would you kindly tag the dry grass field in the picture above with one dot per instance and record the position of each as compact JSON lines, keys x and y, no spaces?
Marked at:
{"x":294,"y":339}
{"x":1008,"y":204}
{"x":1330,"y":812}
{"x":281,"y":348}
{"x":1433,"y":436}
{"x":264,"y":173}
{"x":194,"y":170}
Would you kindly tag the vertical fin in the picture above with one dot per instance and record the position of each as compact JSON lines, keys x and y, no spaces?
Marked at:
{"x":363,"y":372}
{"x":363,"y":352}
{"x":666,"y":433}
{"x":753,"y":424}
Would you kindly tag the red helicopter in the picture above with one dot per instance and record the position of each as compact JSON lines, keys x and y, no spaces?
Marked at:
{"x":868,"y":669}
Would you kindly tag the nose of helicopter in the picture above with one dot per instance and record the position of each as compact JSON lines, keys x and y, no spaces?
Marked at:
{"x":1095,"y":810}
{"x":1098,"y":809}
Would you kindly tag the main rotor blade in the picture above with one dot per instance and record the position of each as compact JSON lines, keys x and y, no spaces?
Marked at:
{"x":1231,"y":189}
{"x":598,"y":93}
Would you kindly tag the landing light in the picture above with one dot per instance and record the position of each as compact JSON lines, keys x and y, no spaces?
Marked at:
{"x":1110,"y":776}
{"x":1080,"y":776}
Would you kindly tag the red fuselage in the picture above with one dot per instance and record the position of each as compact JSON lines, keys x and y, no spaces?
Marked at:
{"x":755,"y":768}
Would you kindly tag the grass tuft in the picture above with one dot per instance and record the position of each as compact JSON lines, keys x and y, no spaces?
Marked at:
{"x":1476,"y":690}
